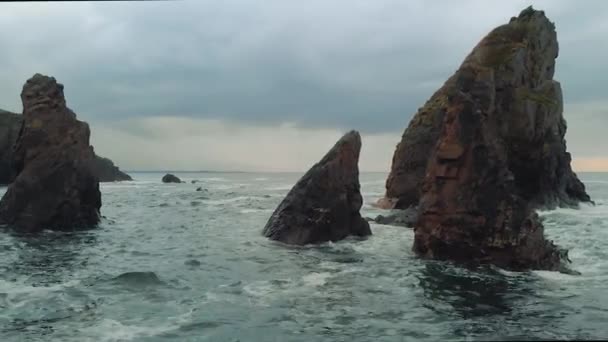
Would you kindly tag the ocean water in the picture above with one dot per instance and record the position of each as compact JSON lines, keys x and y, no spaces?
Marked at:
{"x":169,"y":263}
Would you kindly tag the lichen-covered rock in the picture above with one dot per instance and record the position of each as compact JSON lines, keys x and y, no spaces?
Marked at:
{"x":324,"y":204}
{"x":54,"y":187}
{"x":171,"y":178}
{"x":10,"y":124}
{"x":511,"y":72}
{"x":500,"y":154}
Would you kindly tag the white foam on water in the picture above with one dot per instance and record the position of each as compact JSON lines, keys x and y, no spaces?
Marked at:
{"x":251,"y":211}
{"x":18,"y":294}
{"x":228,"y":200}
{"x":214,"y":179}
{"x":316,"y":279}
{"x":109,"y":330}
{"x":260,"y":289}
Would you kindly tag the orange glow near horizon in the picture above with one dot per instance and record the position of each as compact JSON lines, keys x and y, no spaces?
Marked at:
{"x":590,"y":164}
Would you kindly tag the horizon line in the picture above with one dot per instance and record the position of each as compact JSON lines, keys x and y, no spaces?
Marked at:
{"x":275,"y":171}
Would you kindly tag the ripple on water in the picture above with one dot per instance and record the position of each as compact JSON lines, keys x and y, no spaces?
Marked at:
{"x":198,"y":269}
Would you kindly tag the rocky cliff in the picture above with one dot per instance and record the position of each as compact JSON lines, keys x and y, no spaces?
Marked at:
{"x":54,"y":186}
{"x":10,"y":123}
{"x":510,"y":75}
{"x":497,"y":152}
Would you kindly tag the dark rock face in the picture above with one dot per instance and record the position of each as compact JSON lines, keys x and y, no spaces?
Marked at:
{"x":324,"y":204}
{"x":500,"y":153}
{"x":54,"y":187}
{"x":106,"y":171}
{"x":169,"y":178}
{"x":510,"y":72}
{"x":10,"y":124}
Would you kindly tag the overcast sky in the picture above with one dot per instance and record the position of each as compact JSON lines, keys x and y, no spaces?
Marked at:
{"x":270,"y":85}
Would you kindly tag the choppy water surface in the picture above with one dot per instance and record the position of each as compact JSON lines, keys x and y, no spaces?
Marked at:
{"x":172,"y":264}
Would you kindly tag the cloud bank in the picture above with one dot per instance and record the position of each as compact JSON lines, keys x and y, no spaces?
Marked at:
{"x":280,"y":77}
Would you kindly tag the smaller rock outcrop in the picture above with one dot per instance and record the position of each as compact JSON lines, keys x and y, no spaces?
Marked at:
{"x":106,"y":171}
{"x":403,"y":218}
{"x":54,"y":187}
{"x":10,"y":124}
{"x":324,"y":204}
{"x":170,"y":178}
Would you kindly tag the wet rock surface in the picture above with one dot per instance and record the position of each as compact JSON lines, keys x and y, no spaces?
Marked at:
{"x":10,"y":124}
{"x":510,"y":75}
{"x":324,"y":204}
{"x":500,"y":154}
{"x":54,"y":186}
{"x":170,"y":178}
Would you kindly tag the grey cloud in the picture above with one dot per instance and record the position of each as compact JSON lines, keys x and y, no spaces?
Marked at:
{"x":345,"y":64}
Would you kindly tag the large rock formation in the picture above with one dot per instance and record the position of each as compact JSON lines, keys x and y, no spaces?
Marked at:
{"x":324,"y":204}
{"x":497,"y":152}
{"x":54,"y":187}
{"x":510,"y":72}
{"x":10,"y":124}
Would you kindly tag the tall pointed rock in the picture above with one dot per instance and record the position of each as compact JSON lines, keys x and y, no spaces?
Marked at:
{"x":324,"y":204}
{"x":498,"y":152}
{"x":54,"y":186}
{"x":510,"y":74}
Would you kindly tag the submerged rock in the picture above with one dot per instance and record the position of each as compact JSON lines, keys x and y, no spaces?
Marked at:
{"x":498,"y":153}
{"x":170,"y":178}
{"x":324,"y":204}
{"x":510,"y":73}
{"x":54,"y":187}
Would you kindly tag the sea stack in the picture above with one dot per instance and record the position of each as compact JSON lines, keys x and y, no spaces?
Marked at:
{"x":509,"y":75}
{"x":54,"y":186}
{"x":324,"y":204}
{"x":498,"y":152}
